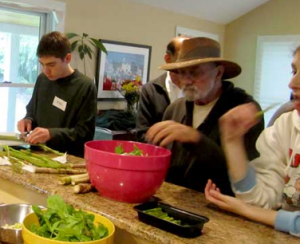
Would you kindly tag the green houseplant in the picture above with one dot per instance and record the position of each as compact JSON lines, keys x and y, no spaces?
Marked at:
{"x":85,"y":45}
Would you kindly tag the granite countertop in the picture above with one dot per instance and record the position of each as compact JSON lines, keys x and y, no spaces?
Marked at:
{"x":223,"y":227}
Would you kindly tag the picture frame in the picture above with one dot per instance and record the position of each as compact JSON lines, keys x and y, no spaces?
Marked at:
{"x":123,"y":61}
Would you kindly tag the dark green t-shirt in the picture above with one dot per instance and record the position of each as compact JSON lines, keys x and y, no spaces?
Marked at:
{"x":67,"y":107}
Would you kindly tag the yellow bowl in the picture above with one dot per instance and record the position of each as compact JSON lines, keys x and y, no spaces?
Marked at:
{"x":31,"y":238}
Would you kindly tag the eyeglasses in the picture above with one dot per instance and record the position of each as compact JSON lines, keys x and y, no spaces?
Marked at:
{"x":196,"y":72}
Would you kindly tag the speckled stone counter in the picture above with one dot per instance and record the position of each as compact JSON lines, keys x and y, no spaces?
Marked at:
{"x":222,"y":228}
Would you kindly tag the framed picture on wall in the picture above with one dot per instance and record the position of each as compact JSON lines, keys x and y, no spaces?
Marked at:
{"x":123,"y":61}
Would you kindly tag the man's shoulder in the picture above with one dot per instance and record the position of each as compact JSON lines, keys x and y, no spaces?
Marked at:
{"x":82,"y":77}
{"x":160,"y":81}
{"x":82,"y":80}
{"x":176,"y":110}
{"x":155,"y":84}
{"x":237,"y":94}
{"x":41,"y":76}
{"x":178,"y":103}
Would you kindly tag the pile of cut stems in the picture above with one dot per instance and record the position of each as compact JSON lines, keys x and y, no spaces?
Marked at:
{"x":81,"y":183}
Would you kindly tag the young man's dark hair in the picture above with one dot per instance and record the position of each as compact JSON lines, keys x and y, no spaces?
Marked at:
{"x":54,"y":44}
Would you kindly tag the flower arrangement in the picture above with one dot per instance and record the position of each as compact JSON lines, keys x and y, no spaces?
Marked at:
{"x":130,"y":89}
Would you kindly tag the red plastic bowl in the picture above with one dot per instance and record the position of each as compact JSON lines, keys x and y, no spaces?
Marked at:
{"x":126,"y":178}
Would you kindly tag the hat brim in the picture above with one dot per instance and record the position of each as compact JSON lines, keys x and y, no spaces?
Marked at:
{"x":231,"y":69}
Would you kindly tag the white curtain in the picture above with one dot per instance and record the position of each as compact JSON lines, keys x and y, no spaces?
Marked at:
{"x":273,"y":70}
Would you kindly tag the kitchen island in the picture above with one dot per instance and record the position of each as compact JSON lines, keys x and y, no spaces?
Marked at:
{"x":223,"y":227}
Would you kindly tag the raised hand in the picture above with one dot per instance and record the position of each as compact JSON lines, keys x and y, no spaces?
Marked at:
{"x":236,"y":122}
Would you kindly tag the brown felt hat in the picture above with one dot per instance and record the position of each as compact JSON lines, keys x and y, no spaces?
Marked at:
{"x":202,"y":50}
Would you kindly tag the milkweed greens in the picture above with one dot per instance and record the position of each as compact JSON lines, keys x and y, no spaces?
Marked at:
{"x":62,"y":222}
{"x":136,"y":151}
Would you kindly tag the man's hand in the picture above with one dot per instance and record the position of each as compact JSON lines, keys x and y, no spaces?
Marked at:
{"x":38,"y":135}
{"x":25,"y":125}
{"x":165,"y":132}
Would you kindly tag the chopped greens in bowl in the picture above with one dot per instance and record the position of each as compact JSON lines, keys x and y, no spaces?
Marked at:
{"x":63,"y":222}
{"x":135,"y":152}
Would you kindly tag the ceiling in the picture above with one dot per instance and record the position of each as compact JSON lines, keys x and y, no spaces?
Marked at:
{"x":218,"y":11}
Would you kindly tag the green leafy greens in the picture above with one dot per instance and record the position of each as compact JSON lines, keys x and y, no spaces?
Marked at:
{"x":119,"y":149}
{"x":136,"y":151}
{"x":63,"y":223}
{"x":159,"y":213}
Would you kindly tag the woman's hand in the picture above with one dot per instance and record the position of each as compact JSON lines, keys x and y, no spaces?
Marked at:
{"x":237,"y":121}
{"x":237,"y":206}
{"x":231,"y":204}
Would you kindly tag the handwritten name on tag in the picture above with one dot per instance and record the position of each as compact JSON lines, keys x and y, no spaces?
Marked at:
{"x":59,"y":103}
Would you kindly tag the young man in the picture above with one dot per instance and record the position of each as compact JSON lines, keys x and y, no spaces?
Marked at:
{"x":191,"y":123}
{"x":157,"y":94}
{"x":62,"y":110}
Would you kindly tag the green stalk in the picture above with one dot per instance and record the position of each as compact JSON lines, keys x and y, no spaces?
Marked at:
{"x":50,"y":162}
{"x":48,"y":149}
{"x":9,"y":138}
{"x":17,"y":165}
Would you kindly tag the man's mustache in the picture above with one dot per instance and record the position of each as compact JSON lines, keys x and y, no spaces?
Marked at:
{"x":189,"y":87}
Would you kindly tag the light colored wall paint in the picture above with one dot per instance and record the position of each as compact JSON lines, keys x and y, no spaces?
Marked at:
{"x":131,"y":22}
{"x":277,"y":17}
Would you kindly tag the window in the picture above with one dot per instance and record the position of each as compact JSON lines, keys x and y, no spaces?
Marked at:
{"x":273,"y":70}
{"x":20,"y":31}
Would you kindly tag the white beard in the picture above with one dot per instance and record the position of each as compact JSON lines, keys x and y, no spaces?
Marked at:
{"x":192,"y":93}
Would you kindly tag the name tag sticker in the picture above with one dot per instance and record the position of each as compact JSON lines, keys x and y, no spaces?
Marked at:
{"x":59,"y":103}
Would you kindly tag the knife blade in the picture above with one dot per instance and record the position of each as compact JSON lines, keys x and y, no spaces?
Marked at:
{"x":22,"y":135}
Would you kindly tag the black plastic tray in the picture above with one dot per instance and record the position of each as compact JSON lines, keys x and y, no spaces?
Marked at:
{"x":191,"y":224}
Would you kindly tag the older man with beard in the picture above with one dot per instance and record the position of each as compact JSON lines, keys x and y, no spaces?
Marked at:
{"x":190,"y":124}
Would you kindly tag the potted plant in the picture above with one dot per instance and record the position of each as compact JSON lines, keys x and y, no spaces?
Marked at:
{"x":85,"y":45}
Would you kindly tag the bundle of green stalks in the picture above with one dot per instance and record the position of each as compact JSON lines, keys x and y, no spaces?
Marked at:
{"x":42,"y":146}
{"x":27,"y":156}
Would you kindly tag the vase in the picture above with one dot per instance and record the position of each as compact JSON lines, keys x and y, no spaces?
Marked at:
{"x":130,"y":107}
